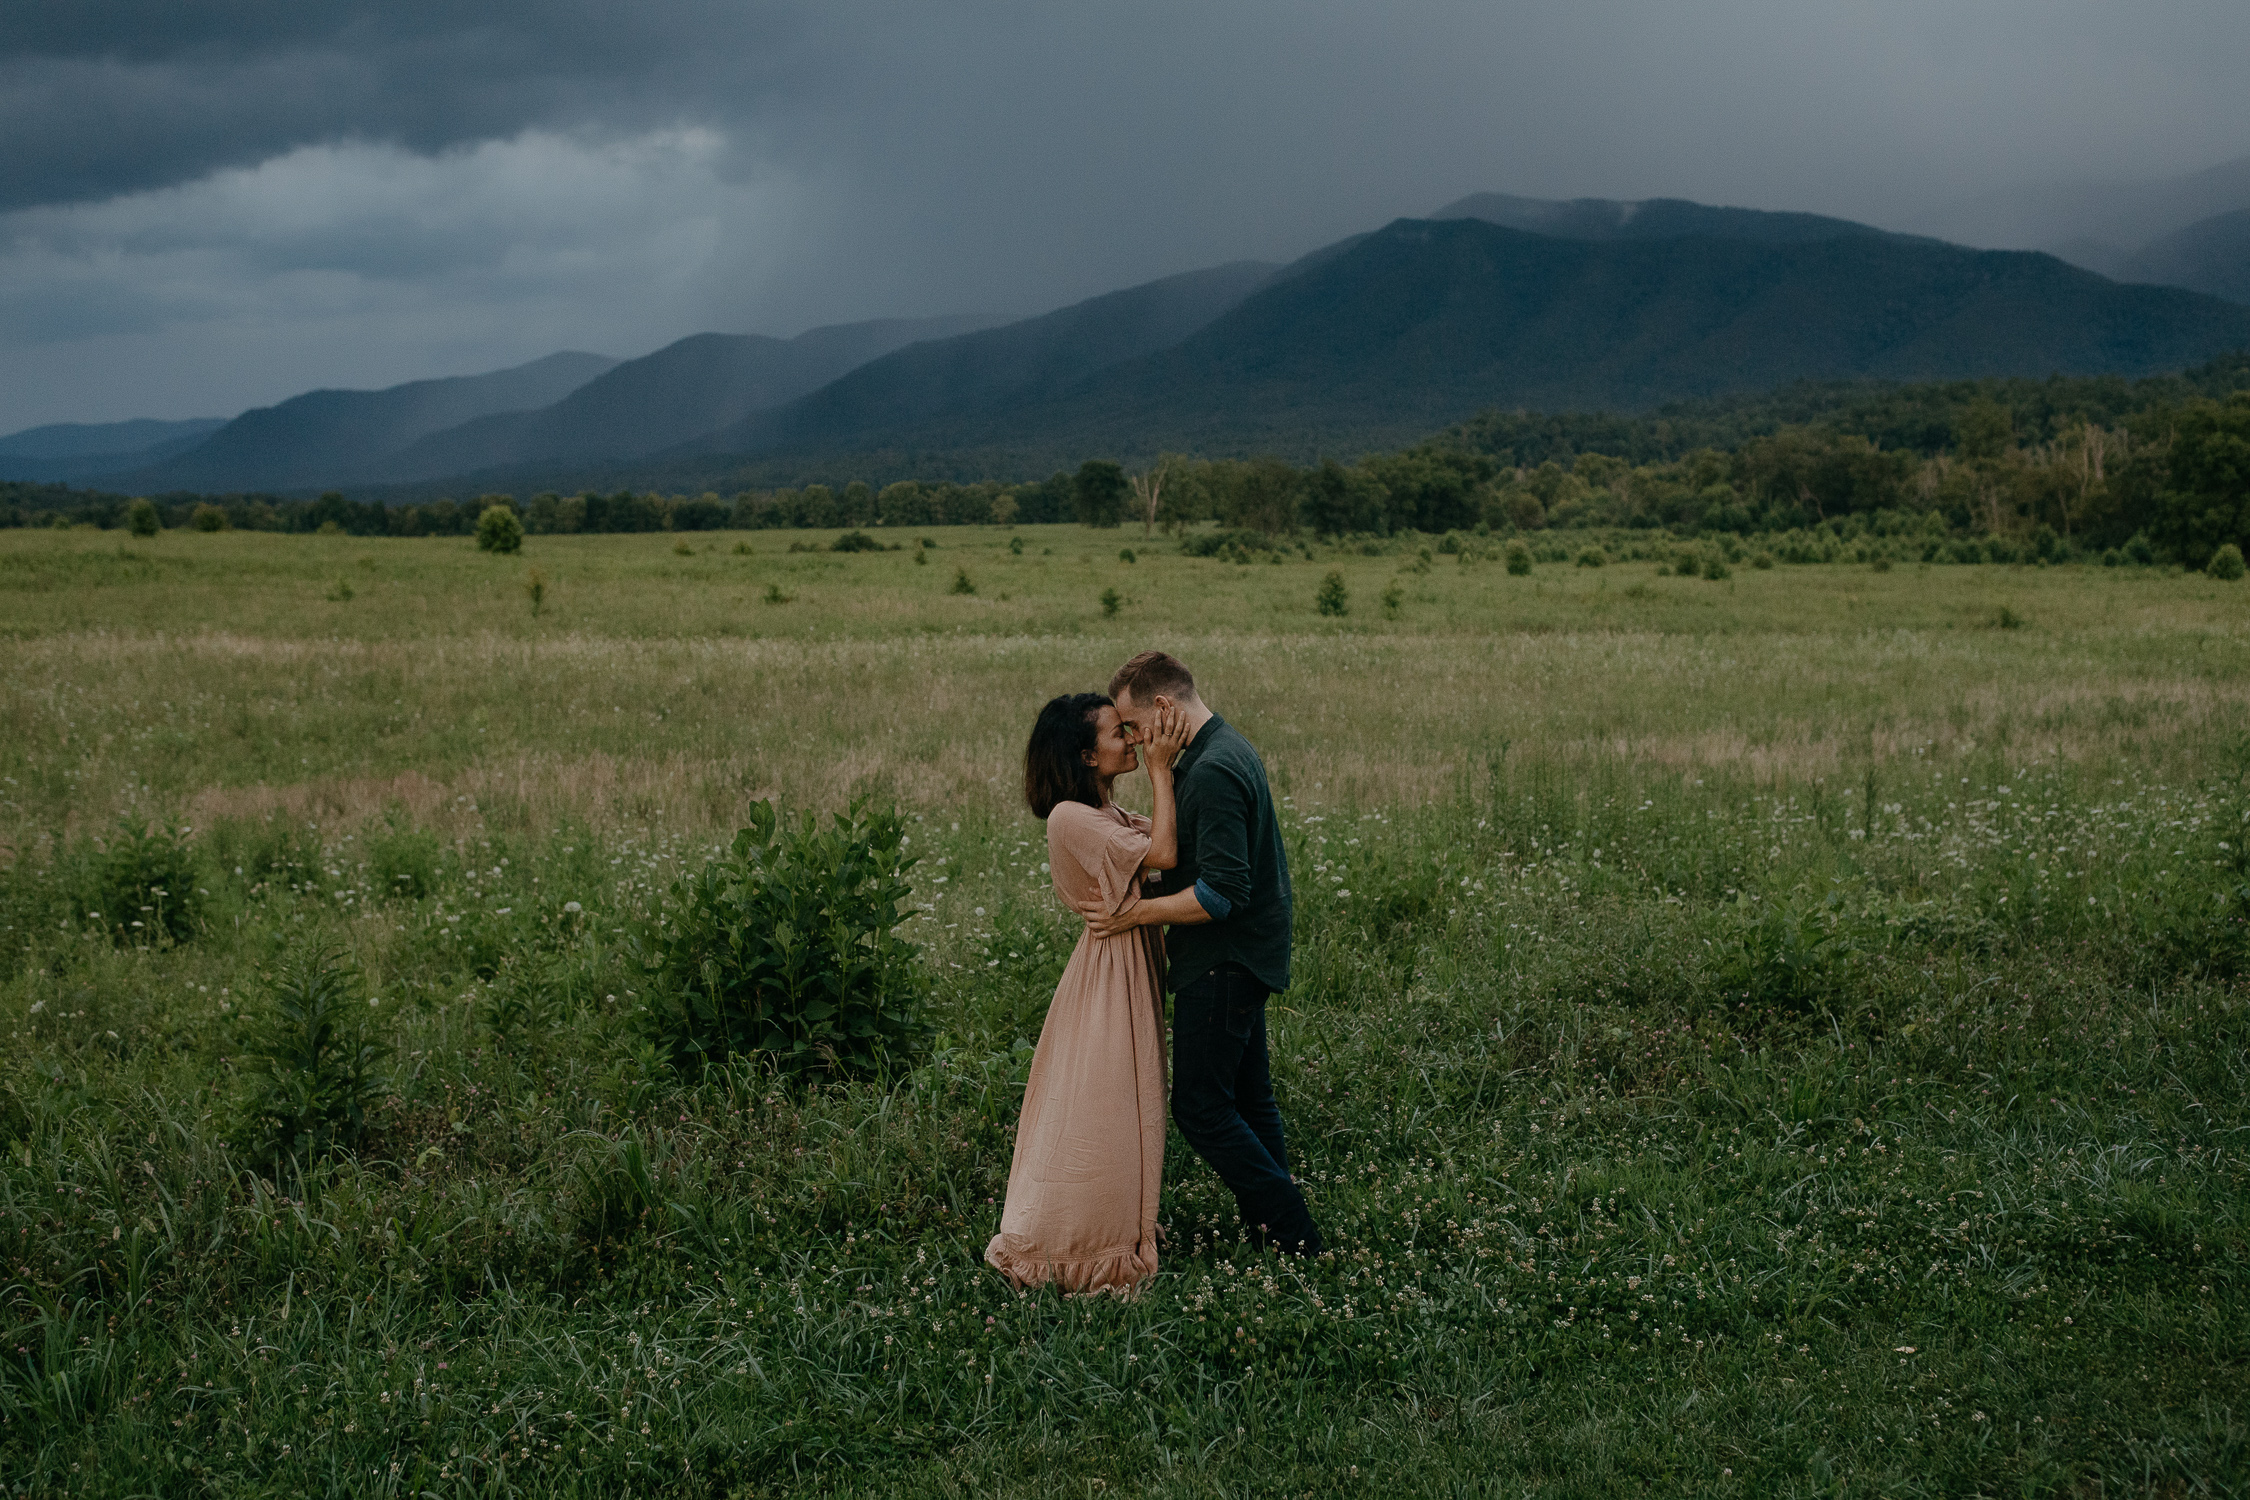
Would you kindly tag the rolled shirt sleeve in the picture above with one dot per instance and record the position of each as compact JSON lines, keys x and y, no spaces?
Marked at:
{"x":1214,"y":905}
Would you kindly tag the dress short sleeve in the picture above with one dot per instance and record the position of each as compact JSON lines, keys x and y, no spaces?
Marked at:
{"x":1107,"y":851}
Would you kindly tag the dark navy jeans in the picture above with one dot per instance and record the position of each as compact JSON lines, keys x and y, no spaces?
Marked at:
{"x":1222,"y":1100}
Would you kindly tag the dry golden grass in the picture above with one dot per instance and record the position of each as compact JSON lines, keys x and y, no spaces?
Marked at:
{"x":213,"y":677}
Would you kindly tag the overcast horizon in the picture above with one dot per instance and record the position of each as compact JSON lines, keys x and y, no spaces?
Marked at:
{"x":214,"y":210}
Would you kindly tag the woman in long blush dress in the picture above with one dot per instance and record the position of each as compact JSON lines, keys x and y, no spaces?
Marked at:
{"x":1089,"y":1159}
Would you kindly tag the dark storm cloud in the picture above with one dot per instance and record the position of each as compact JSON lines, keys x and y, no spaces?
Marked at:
{"x":97,"y":101}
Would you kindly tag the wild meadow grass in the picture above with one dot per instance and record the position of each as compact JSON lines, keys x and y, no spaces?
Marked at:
{"x":1772,"y":1035}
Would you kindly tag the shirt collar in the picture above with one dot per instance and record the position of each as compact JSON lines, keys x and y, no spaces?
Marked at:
{"x":1196,"y":746}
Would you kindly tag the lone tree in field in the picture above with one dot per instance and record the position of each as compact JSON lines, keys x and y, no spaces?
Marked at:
{"x":1333,"y":598}
{"x":141,"y":518}
{"x":499,"y":529}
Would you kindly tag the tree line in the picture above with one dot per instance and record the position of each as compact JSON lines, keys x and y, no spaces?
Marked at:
{"x":2061,"y":467}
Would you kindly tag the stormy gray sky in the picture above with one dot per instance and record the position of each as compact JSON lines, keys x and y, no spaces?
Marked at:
{"x":213,"y":206}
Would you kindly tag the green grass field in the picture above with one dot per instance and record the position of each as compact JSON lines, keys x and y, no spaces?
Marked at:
{"x":1773,"y":1035}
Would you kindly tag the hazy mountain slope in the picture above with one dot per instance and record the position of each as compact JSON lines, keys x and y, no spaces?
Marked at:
{"x":1649,"y":219}
{"x":2095,"y":224}
{"x":1424,"y":323}
{"x":328,"y":437}
{"x":975,"y":372}
{"x":680,"y":391}
{"x":74,"y":450}
{"x":2211,"y":255}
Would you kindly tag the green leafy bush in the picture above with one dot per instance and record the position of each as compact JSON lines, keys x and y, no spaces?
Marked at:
{"x":1592,"y":557}
{"x":786,"y":946}
{"x":209,"y":517}
{"x":499,"y":529}
{"x":1393,"y":598}
{"x":139,"y":885}
{"x":1112,"y":602}
{"x":962,"y":583}
{"x":142,"y":519}
{"x":856,"y":541}
{"x":317,"y":1076}
{"x":2226,"y":563}
{"x":1333,"y":598}
{"x":1519,"y":560}
{"x":1777,"y":955}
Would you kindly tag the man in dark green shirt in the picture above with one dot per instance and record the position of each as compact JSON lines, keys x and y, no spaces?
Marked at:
{"x":1227,"y":904}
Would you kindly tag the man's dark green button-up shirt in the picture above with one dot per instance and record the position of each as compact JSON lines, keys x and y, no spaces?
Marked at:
{"x":1230,"y":842}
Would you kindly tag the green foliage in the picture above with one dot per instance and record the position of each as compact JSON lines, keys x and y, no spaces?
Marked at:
{"x":2205,"y":500}
{"x":208,"y":517}
{"x":1778,"y":955}
{"x":1112,"y":601}
{"x":1333,"y":598}
{"x":1592,"y":557}
{"x":139,"y":884}
{"x":859,"y":541}
{"x":1127,"y":556}
{"x":316,"y":1074}
{"x":1099,"y":492}
{"x":535,"y":589}
{"x":2226,"y":563}
{"x":499,"y":530}
{"x":1393,"y":598}
{"x":962,"y":583}
{"x":1519,"y":560}
{"x":786,"y":947}
{"x":142,"y":519}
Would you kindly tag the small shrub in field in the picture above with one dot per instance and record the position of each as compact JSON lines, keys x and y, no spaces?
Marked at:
{"x":209,"y":517}
{"x":774,"y":595}
{"x":1687,"y":565}
{"x":2226,"y":563}
{"x":1127,"y":556}
{"x":681,"y":548}
{"x":535,"y":589}
{"x":855,"y":541}
{"x":1762,"y":560}
{"x":742,"y":549}
{"x":1881,"y":562}
{"x":1393,"y":598}
{"x":921,"y":558}
{"x":339,"y":592}
{"x":786,"y":945}
{"x":1421,"y":563}
{"x":1592,"y":557}
{"x":2005,"y":618}
{"x":316,"y":1075}
{"x":142,"y":519}
{"x":1112,"y":602}
{"x":499,"y":529}
{"x":2139,"y":551}
{"x":1519,"y":560}
{"x":1772,"y":955}
{"x":1333,"y":598}
{"x":1715,"y":569}
{"x":962,"y":584}
{"x":1015,"y":545}
{"x":140,"y":887}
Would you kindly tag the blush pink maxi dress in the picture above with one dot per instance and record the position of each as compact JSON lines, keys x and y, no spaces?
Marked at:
{"x":1089,"y":1159}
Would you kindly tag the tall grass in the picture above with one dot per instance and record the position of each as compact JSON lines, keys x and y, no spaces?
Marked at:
{"x":1791,"y":1056}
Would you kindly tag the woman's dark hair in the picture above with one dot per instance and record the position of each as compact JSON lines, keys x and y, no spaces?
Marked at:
{"x":1054,"y":765}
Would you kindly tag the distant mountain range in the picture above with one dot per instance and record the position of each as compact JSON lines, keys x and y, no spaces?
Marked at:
{"x":79,"y":450}
{"x":1494,"y":302}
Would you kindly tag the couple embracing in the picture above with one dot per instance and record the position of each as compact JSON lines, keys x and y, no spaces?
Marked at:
{"x":1194,"y":898}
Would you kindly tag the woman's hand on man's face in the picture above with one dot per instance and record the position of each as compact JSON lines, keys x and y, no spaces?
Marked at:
{"x":1163,"y":735}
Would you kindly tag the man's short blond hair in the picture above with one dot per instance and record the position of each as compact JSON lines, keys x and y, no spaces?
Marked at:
{"x":1152,"y":673}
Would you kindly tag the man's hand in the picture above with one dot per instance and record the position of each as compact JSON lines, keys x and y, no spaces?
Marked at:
{"x":1111,"y":924}
{"x":1178,"y":910}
